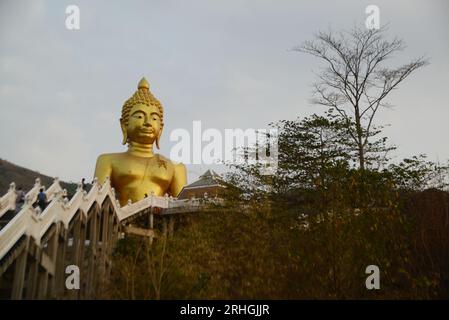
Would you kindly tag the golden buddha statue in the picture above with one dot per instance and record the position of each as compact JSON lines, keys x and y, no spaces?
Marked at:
{"x":138,"y":171}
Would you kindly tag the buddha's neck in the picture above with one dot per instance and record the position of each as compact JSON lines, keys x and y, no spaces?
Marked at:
{"x":140,"y":150}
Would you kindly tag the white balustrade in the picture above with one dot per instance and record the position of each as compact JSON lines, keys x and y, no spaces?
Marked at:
{"x":32,"y":222}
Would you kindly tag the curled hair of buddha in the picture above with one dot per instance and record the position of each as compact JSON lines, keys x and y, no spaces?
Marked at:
{"x":144,"y":96}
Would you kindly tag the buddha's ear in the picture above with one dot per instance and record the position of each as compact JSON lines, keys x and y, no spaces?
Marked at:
{"x":124,"y":131}
{"x":158,"y":137}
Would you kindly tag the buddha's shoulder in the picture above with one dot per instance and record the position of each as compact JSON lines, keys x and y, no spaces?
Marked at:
{"x":110,"y":157}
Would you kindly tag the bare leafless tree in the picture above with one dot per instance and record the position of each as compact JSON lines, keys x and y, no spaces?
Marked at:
{"x":356,"y":80}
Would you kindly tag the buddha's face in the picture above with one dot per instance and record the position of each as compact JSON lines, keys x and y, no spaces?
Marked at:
{"x":144,"y":124}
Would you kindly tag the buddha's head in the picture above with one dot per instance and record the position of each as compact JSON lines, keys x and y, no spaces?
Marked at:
{"x":142,"y":117}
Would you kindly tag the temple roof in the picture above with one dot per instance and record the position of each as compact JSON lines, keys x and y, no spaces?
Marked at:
{"x":207,"y":179}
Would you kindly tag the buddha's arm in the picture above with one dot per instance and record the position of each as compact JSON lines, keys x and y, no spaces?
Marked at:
{"x":103,"y":168}
{"x":179,"y":179}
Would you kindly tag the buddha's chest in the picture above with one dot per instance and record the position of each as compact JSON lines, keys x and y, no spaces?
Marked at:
{"x":142,"y":171}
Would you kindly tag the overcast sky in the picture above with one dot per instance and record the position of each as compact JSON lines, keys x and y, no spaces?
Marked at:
{"x":226,"y":63}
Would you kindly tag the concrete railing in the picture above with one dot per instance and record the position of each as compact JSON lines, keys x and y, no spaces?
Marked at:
{"x":34,"y":223}
{"x":8,"y":201}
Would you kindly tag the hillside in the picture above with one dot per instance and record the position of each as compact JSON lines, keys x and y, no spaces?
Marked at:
{"x":25,"y":178}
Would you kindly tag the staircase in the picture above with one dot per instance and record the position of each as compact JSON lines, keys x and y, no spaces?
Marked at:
{"x":36,"y":247}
